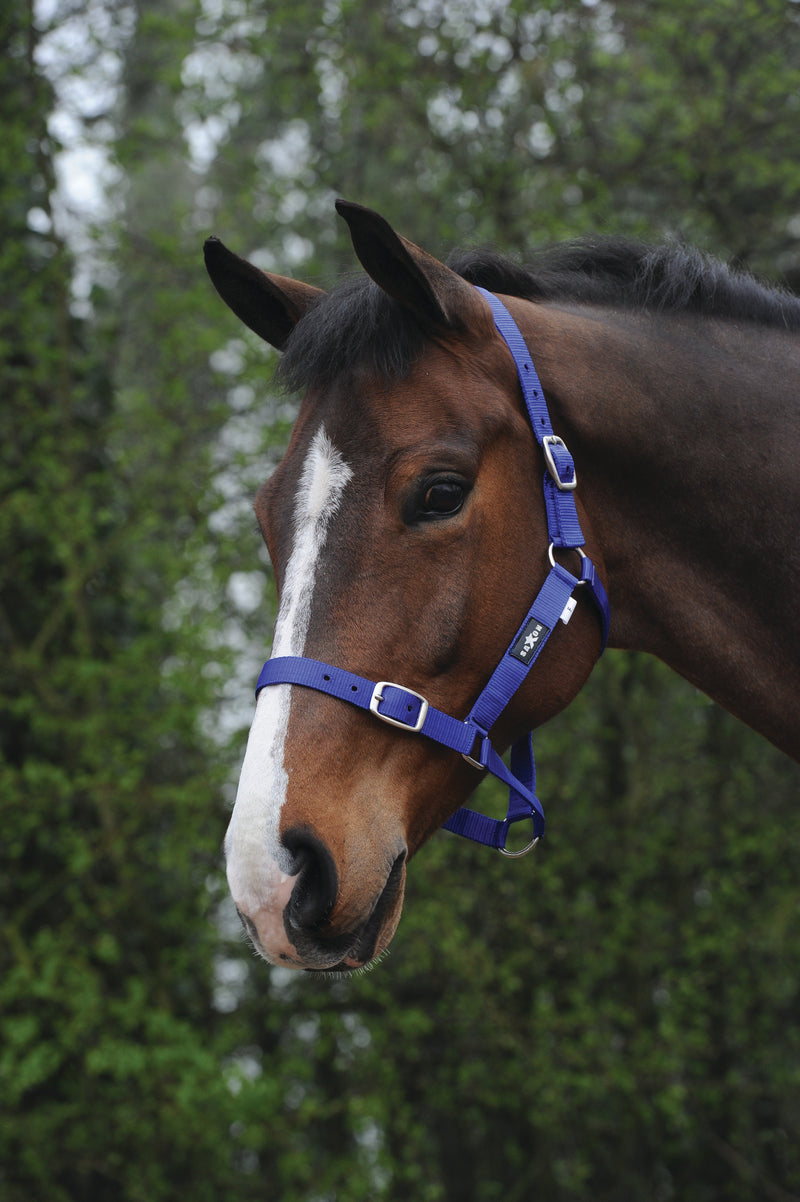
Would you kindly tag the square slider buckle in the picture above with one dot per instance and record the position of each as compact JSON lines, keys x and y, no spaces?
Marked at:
{"x":548,"y":443}
{"x":377,"y":697}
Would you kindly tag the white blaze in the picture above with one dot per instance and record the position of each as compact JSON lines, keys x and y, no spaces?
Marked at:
{"x":258,"y":867}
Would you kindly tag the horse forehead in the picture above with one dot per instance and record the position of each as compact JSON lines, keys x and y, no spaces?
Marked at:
{"x":450,"y":387}
{"x":366,"y":418}
{"x":312,"y":467}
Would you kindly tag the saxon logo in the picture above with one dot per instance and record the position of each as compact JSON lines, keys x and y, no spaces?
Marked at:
{"x":529,"y":641}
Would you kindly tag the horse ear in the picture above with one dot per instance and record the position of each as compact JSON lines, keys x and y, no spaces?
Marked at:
{"x":432,"y":292}
{"x":271,"y":305}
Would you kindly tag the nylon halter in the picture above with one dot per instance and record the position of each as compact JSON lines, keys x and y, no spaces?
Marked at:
{"x":410,"y":712}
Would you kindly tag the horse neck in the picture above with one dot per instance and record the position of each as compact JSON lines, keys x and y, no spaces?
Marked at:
{"x":686,"y":434}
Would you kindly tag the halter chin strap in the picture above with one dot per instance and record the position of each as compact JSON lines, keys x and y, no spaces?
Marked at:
{"x":409,"y":711}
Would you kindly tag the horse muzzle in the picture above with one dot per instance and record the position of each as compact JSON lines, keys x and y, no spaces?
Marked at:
{"x":311,"y":924}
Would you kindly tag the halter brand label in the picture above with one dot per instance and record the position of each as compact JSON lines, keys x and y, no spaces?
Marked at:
{"x":529,"y":641}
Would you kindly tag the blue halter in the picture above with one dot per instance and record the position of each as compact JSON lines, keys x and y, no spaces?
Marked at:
{"x":409,"y":711}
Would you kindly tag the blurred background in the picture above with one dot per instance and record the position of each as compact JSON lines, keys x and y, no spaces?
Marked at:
{"x":615,"y":1017}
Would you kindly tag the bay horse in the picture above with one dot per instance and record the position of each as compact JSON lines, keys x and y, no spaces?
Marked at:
{"x":418,"y":563}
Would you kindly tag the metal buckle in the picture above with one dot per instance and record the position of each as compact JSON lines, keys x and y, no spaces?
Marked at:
{"x":377,"y":698}
{"x":552,"y":440}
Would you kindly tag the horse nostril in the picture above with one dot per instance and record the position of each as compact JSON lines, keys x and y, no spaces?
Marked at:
{"x":317,"y":882}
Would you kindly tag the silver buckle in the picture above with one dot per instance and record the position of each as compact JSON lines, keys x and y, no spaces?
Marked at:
{"x":377,"y":698}
{"x":552,"y":440}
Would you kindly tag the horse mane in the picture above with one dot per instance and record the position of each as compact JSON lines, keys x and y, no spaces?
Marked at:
{"x":623,"y":273}
{"x":357,"y":325}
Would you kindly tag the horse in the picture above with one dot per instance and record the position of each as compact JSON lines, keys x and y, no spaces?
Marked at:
{"x":650,"y":391}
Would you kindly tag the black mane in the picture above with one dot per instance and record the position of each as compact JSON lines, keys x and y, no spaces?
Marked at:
{"x":357,"y":325}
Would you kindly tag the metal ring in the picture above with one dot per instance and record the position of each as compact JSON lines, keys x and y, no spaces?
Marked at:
{"x":517,"y":855}
{"x":484,"y":741}
{"x":551,"y":555}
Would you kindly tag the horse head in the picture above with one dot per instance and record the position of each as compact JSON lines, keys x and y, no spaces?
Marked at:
{"x":408,"y":534}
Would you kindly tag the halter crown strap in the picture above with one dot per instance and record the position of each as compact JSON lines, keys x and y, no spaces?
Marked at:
{"x":407,"y":710}
{"x":560,"y":480}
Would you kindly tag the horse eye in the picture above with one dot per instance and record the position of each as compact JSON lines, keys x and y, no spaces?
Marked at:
{"x":443,"y":499}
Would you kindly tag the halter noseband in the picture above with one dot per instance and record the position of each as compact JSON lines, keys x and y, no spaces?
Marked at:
{"x":403,"y":708}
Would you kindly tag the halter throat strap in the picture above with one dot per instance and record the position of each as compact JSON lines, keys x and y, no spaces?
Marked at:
{"x":410,"y":712}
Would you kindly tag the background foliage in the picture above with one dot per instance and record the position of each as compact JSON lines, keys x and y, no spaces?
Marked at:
{"x":614,"y":1018}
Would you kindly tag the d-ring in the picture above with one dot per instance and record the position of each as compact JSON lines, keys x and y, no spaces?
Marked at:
{"x":517,"y":855}
{"x":551,"y":555}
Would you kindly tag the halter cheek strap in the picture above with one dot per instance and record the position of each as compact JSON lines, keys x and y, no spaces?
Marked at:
{"x":409,"y":711}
